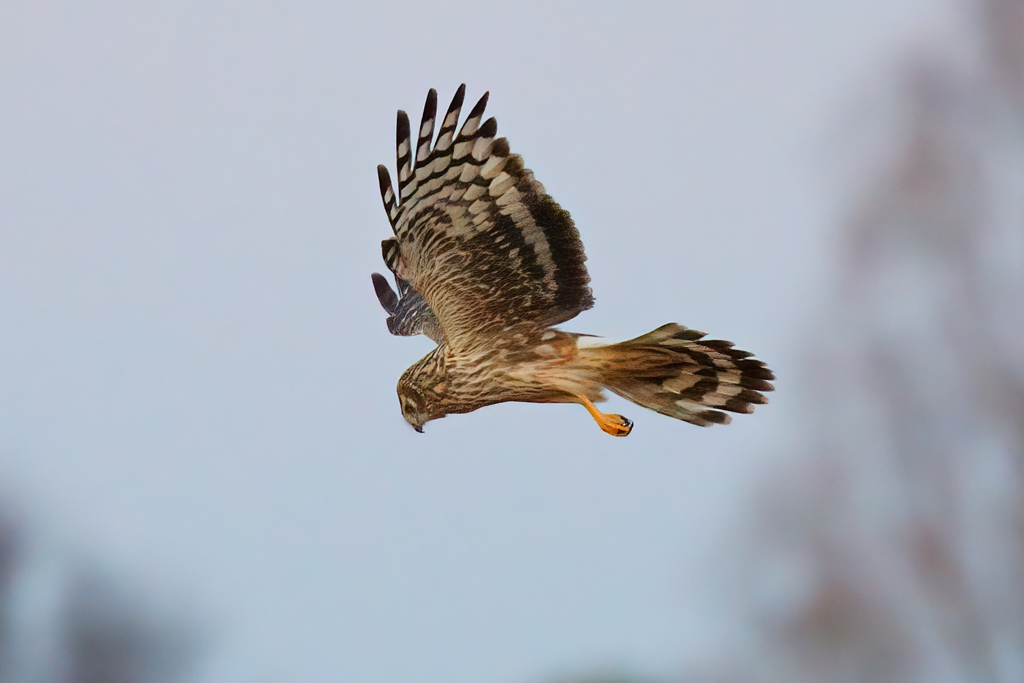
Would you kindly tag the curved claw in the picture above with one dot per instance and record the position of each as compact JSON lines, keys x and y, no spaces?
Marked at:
{"x":616,"y":425}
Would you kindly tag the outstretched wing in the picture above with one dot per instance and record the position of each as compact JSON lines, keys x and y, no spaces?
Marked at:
{"x":475,"y":235}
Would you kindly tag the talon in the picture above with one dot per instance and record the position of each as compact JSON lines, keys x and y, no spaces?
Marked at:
{"x":616,"y":425}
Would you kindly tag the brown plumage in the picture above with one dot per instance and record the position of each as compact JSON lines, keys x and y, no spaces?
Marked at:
{"x":487,"y":263}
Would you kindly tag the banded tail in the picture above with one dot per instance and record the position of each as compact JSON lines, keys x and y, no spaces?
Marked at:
{"x":673,"y":372}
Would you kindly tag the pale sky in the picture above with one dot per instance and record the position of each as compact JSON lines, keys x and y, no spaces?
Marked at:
{"x":197,"y":386}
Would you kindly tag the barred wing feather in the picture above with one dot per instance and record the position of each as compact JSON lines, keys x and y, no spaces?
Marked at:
{"x":476,"y":236}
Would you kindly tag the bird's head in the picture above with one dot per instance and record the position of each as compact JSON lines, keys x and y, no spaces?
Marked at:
{"x":421,"y":393}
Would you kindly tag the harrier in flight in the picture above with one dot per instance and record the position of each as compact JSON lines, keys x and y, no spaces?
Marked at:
{"x":486,"y":263}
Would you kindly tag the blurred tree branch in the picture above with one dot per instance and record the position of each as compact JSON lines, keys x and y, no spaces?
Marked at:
{"x":903,"y":525}
{"x":92,"y":632}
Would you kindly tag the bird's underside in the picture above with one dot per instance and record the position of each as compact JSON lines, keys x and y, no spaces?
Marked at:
{"x":486,"y":264}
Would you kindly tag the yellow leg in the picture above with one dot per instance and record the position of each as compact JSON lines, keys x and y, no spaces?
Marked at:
{"x":616,"y":425}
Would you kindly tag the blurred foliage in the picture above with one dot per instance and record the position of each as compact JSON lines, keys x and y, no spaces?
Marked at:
{"x":893,"y":548}
{"x":111,"y":639}
{"x":75,"y":625}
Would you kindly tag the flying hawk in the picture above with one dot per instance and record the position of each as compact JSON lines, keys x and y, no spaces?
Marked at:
{"x":486,"y":263}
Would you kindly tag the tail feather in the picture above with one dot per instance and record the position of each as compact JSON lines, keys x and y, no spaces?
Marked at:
{"x":672,"y":371}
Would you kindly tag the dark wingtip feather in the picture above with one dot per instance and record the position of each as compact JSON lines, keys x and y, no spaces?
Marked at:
{"x":500,"y":147}
{"x":456,"y":105}
{"x":478,"y":108}
{"x":737,"y":406}
{"x":714,"y":416}
{"x":384,"y":177}
{"x":402,"y":136}
{"x":689,"y":335}
{"x":749,"y":396}
{"x":429,"y":107}
{"x":402,"y":127}
{"x":446,"y":131}
{"x":385,"y":295}
{"x":755,"y":369}
{"x":747,"y":382}
{"x":471,"y":126}
{"x":426,"y":130}
{"x":489,"y":129}
{"x":387,"y":193}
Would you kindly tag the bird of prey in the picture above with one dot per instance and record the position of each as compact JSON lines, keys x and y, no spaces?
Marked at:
{"x":486,"y":263}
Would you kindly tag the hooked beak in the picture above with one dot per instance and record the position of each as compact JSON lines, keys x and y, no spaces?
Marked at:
{"x":418,"y":428}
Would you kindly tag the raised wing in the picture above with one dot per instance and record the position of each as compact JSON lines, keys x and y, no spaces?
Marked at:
{"x":475,"y":235}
